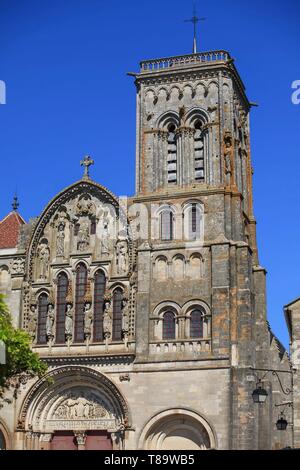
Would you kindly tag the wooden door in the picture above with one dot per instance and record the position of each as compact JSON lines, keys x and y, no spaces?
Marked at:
{"x":98,"y":440}
{"x":63,"y":440}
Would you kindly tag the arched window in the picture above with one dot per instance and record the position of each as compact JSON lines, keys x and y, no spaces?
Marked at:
{"x":169,"y":326}
{"x":196,"y":324}
{"x":199,"y":151}
{"x":99,"y":289}
{"x":117,"y":315}
{"x":81,"y":283}
{"x":62,"y":291}
{"x":166,"y":225}
{"x":42,"y":317}
{"x":2,"y":441}
{"x":194,"y":215}
{"x":172,"y":154}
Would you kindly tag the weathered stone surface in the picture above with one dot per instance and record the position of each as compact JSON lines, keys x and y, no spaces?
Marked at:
{"x":190,"y":382}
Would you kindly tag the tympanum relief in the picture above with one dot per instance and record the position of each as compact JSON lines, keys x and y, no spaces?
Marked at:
{"x":81,"y":405}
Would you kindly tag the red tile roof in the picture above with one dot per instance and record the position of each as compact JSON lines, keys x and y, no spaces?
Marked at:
{"x":9,"y":230}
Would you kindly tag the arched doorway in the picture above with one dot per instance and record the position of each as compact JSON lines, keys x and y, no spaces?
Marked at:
{"x":80,"y":410}
{"x":177,"y":429}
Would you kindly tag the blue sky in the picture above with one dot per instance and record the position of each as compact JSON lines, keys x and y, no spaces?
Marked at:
{"x":65,"y":63}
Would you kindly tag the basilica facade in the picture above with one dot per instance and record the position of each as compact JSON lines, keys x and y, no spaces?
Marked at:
{"x":150,"y":311}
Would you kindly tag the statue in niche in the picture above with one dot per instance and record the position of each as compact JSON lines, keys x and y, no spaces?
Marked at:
{"x":228,"y":157}
{"x":83,"y":237}
{"x":60,"y":239}
{"x":44,"y":257}
{"x":32,"y":321}
{"x":88,"y":319}
{"x":105,"y":234}
{"x":107,"y":321}
{"x":50,"y":322}
{"x":122,"y":256}
{"x":69,"y":322}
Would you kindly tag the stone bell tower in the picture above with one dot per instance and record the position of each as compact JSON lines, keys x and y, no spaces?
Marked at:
{"x":192,"y":125}
{"x":193,"y":147}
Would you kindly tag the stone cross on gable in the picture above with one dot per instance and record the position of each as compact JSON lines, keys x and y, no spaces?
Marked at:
{"x":86,"y":163}
{"x":15,"y":203}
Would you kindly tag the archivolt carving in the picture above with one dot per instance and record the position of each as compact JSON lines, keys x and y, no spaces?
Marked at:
{"x":77,"y":393}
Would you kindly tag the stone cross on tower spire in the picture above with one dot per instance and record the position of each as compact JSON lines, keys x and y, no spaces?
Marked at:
{"x":195,"y":19}
{"x":86,"y":163}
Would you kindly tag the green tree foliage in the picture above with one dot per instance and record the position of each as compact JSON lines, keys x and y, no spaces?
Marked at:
{"x":21,"y":362}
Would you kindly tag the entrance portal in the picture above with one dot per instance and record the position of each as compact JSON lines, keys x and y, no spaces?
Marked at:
{"x":80,"y":410}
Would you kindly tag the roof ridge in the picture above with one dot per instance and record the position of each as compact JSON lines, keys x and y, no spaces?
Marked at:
{"x":16,"y":215}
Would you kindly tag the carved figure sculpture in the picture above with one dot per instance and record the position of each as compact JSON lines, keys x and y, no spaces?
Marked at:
{"x":69,"y":322}
{"x":105,"y":234}
{"x":32,"y":321}
{"x":50,"y":322}
{"x":88,"y":319}
{"x":122,"y":257}
{"x":83,"y":239}
{"x":44,"y":257}
{"x":60,"y":240}
{"x":228,"y":157}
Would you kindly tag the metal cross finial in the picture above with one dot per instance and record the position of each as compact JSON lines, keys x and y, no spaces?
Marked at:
{"x":195,"y":19}
{"x":86,"y":163}
{"x":15,"y":203}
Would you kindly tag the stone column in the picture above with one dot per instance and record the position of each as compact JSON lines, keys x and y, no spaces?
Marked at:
{"x":28,"y":440}
{"x":80,"y":439}
{"x":45,"y":440}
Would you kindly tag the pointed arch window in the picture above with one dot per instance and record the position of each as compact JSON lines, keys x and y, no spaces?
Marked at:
{"x":62,"y":291}
{"x":99,"y":289}
{"x":169,"y":326}
{"x":42,"y":318}
{"x":172,"y":154}
{"x":199,"y":151}
{"x":196,"y":324}
{"x":81,"y":284}
{"x":166,"y":225}
{"x":117,"y":315}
